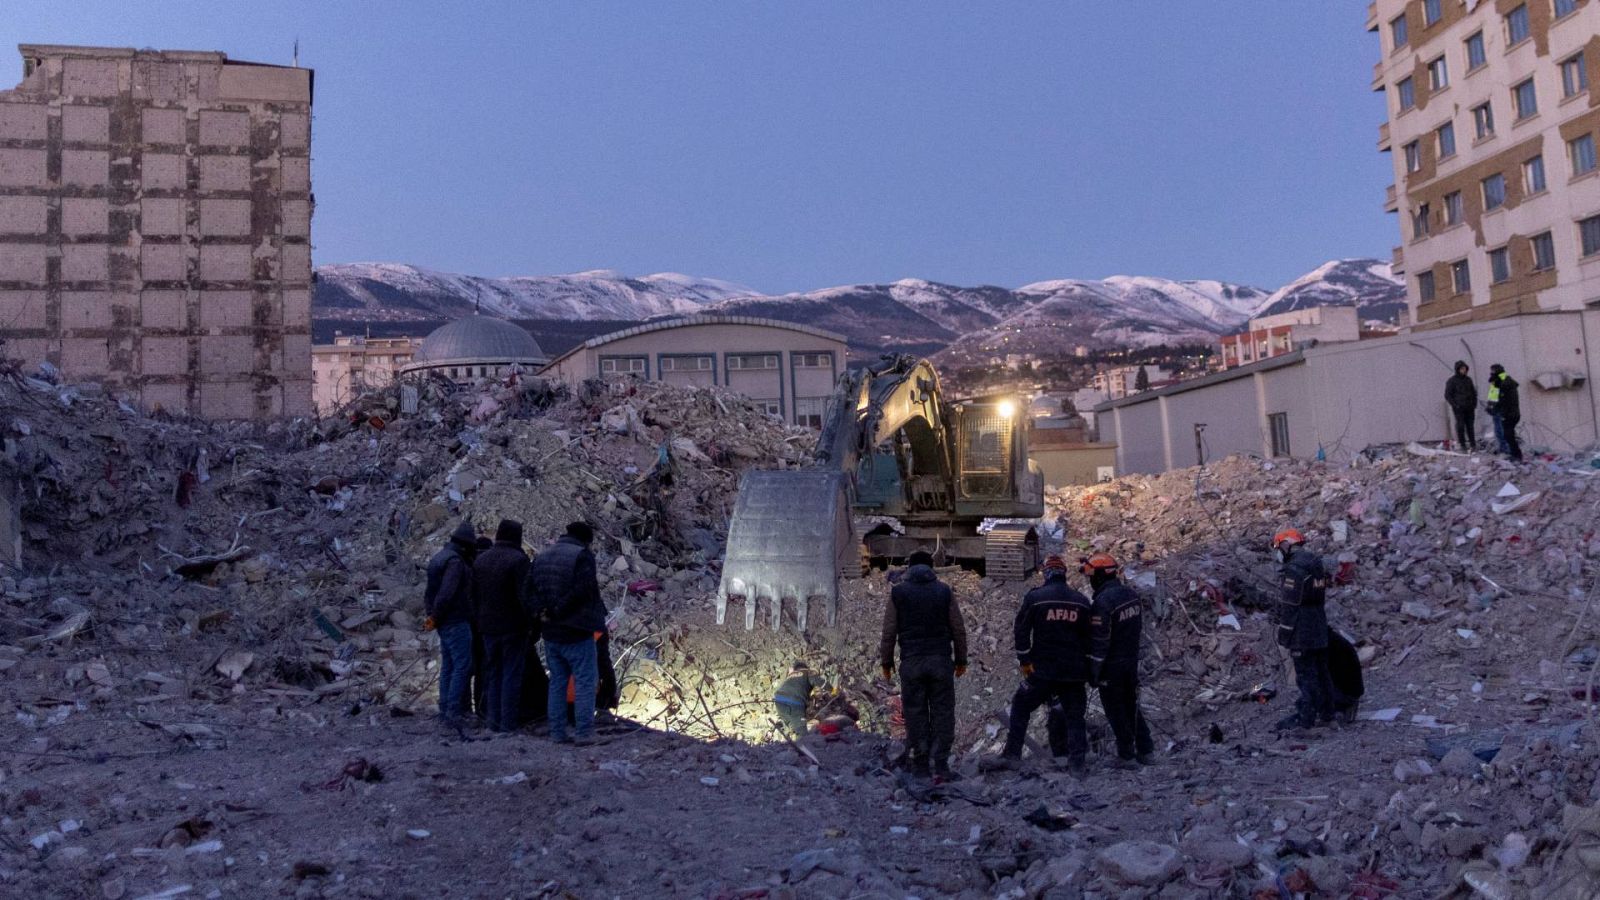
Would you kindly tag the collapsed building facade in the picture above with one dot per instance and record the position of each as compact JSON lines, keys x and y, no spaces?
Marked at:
{"x":155,"y":226}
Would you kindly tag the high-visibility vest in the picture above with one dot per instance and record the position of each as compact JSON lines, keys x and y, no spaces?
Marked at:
{"x":1494,"y":393}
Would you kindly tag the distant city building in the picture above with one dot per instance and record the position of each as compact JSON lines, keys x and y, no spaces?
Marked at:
{"x":155,"y":226}
{"x":476,"y":347}
{"x":1269,"y":336}
{"x":1123,"y":380}
{"x":1495,"y":140}
{"x":789,"y":369}
{"x":352,"y":363}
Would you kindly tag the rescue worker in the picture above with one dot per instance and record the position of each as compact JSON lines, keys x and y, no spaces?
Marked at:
{"x":792,"y":695}
{"x":499,"y":617}
{"x":1303,"y":629}
{"x":1116,"y":620}
{"x":1492,"y":407}
{"x":479,"y":694}
{"x":1509,"y":406}
{"x":447,"y":600}
{"x":563,"y":586}
{"x":1462,"y":396}
{"x":923,"y":618}
{"x":1052,"y":641}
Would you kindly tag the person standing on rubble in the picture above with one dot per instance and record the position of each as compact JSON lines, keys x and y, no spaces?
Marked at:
{"x":565,"y":588}
{"x":922,"y":616}
{"x":1116,"y":622}
{"x":1492,"y":407}
{"x":1503,"y":390}
{"x":497,"y":578}
{"x":1303,"y":629}
{"x":447,"y":600}
{"x":1462,"y":396}
{"x":1052,"y":634}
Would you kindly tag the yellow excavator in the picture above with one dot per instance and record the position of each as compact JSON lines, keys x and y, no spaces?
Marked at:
{"x":898,"y":468}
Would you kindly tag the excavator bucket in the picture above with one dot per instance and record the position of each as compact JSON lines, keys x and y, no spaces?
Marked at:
{"x":789,"y":537}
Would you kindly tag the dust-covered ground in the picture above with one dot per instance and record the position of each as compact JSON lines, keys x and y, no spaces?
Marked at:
{"x":217,"y":685}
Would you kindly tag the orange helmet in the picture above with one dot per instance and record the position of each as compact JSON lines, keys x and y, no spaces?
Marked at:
{"x":1288,"y":536}
{"x":1100,"y":562}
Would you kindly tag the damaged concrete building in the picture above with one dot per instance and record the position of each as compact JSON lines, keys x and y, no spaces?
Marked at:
{"x":155,"y":226}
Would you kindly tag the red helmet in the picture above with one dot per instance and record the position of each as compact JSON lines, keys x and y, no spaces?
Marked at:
{"x":1287,"y":536}
{"x":1100,"y":562}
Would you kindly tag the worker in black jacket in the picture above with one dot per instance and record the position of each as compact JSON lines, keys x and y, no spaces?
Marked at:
{"x":497,"y":579}
{"x":1509,"y":407}
{"x":922,"y":617}
{"x":1303,"y":629}
{"x":447,"y":600}
{"x":1117,"y":620}
{"x":1462,"y":396}
{"x":1052,"y":637}
{"x":564,"y":586}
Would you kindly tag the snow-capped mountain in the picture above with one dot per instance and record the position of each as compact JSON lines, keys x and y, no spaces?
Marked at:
{"x":1367,"y":284}
{"x":390,"y":291}
{"x":909,"y":315}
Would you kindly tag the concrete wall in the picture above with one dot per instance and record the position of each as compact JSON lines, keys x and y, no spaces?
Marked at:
{"x":796,"y":388}
{"x":155,"y":224}
{"x":1343,"y":398}
{"x":1076,"y":464}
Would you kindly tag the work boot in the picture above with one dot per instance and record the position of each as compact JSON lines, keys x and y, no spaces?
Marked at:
{"x":919,"y":767}
{"x":942,"y":773}
{"x":584,"y":740}
{"x":1146,"y":759}
{"x":1290,"y":723}
{"x":1076,"y":765}
{"x":1124,"y":763}
{"x":1005,"y":762}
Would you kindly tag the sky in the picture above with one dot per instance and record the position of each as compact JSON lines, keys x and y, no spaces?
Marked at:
{"x":798,"y":145}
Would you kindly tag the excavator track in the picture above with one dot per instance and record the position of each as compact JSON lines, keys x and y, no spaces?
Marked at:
{"x":1011,"y":552}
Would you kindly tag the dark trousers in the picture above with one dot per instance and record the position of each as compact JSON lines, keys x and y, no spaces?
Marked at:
{"x":791,"y":716}
{"x":1033,"y":693}
{"x":1513,"y":447}
{"x":1311,"y":675}
{"x":607,"y":698}
{"x":1499,"y":431}
{"x":1119,"y":694}
{"x":455,"y":664}
{"x":535,"y":684}
{"x":928,"y":699}
{"x":504,"y":659}
{"x":1466,"y":430}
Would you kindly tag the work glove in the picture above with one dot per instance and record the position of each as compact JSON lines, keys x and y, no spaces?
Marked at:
{"x":429,"y":624}
{"x":888,"y":673}
{"x":960,"y":670}
{"x":1027,"y":670}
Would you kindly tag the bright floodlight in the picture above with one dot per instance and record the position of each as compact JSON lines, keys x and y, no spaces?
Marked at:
{"x":1007,"y":409}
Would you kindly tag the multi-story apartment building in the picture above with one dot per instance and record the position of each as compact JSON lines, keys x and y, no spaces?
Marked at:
{"x":354,"y":363}
{"x":1493,"y":130}
{"x":1268,"y":336}
{"x":1121,"y":381}
{"x":155,"y":226}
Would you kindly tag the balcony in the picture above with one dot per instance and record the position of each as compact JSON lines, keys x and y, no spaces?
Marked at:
{"x":1391,"y":203}
{"x":1372,"y":16}
{"x":1398,"y":260}
{"x":1383,"y":138}
{"x":1377,"y":76}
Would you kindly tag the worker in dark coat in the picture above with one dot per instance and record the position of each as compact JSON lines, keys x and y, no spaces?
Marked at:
{"x":1509,"y":407}
{"x":1462,"y":396}
{"x":497,"y":578}
{"x":924,"y":620}
{"x":564,"y":586}
{"x":1117,"y":622}
{"x":1052,"y":637}
{"x":447,"y":600}
{"x":1303,"y":629}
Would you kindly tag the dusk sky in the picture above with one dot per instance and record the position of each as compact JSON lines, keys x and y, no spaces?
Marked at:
{"x":791,"y":146}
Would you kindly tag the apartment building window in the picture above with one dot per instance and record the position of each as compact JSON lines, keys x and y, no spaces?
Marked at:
{"x":1438,"y":74}
{"x":813,"y":360}
{"x":1544,"y":252}
{"x":1408,"y":94}
{"x":1581,"y":149}
{"x":1533,"y":176}
{"x":1278,"y":428}
{"x":1397,"y":30}
{"x":1565,"y":6}
{"x":1589,"y":232}
{"x":686,"y":364}
{"x":1460,"y":277}
{"x":1526,"y":99}
{"x":1421,"y":221}
{"x":1413,"y":156}
{"x":1483,"y":120}
{"x":1476,"y":54}
{"x":1500,"y":265}
{"x":1431,"y":11}
{"x":771,"y":407}
{"x":1494,"y":192}
{"x":1517,"y":29}
{"x":808,"y":411}
{"x":1452,"y":208}
{"x":753,"y":361}
{"x":1425,"y":286}
{"x":1574,"y":76}
{"x":623,"y":365}
{"x":1447,"y":140}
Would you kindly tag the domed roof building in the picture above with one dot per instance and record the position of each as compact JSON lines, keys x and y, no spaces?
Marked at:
{"x":476,"y":347}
